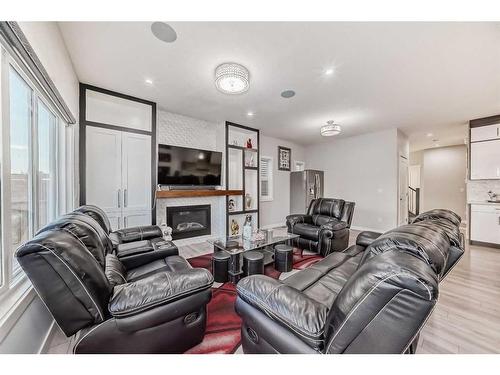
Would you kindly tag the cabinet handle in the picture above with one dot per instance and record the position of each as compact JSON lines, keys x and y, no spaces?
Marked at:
{"x":125,"y":198}
{"x":125,"y":222}
{"x":119,"y":198}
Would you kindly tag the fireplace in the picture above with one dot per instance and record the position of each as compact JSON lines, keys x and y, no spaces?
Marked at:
{"x":189,"y":221}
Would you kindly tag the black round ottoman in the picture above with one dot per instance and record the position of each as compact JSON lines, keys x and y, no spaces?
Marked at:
{"x":253,"y":263}
{"x":283,"y":258}
{"x":220,"y":266}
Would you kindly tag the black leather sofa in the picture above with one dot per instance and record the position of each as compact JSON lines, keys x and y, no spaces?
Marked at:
{"x":325,"y":226}
{"x":134,"y":246}
{"x":156,"y":307}
{"x":374,"y":297}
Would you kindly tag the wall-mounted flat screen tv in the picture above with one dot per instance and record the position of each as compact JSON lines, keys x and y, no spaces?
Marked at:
{"x":182,"y":166}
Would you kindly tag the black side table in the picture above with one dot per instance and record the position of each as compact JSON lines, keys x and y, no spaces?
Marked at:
{"x":253,"y":263}
{"x":220,"y":266}
{"x":283,"y":258}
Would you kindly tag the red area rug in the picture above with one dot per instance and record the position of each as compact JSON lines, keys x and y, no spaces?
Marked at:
{"x":222,"y":334}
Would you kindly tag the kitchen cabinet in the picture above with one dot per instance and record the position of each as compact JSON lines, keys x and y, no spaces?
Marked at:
{"x":485,"y":133}
{"x":485,"y":223}
{"x":485,"y":160}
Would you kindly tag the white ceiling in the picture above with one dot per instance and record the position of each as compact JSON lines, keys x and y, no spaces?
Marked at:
{"x":419,"y":77}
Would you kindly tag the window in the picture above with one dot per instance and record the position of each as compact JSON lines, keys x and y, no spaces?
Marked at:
{"x":30,"y":154}
{"x":266,"y":178}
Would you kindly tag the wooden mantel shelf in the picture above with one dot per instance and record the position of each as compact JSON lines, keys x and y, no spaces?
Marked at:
{"x":195,"y":193}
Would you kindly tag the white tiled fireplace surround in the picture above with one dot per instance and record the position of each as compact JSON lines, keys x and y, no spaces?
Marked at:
{"x":178,"y":130}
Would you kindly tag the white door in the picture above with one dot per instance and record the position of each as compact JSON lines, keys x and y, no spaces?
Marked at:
{"x":134,"y":219}
{"x":403,"y":191}
{"x":115,"y":220}
{"x":103,"y":168}
{"x":414,"y":176}
{"x":485,"y":160}
{"x":136,"y":172}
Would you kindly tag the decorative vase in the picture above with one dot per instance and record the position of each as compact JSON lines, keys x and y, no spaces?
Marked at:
{"x":231,"y":205}
{"x":248,"y":201}
{"x":249,"y":143}
{"x":247,"y":228}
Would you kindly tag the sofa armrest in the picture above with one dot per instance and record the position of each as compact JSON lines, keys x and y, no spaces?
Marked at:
{"x":286,"y":305}
{"x":156,"y":290}
{"x":133,"y":234}
{"x":291,"y":220}
{"x":366,"y":238}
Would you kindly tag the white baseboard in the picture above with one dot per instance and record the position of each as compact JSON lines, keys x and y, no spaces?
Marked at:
{"x":361,"y":229}
{"x":44,"y":348}
{"x":272,"y":226}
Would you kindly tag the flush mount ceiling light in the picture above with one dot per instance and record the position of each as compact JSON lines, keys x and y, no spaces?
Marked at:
{"x":232,"y":78}
{"x":330,"y":129}
{"x":164,"y":32}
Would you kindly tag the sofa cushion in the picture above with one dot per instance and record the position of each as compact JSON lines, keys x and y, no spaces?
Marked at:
{"x":115,"y":271}
{"x":324,"y":280}
{"x":429,"y":244}
{"x":327,"y":207}
{"x":308,"y":231}
{"x":172,"y":264}
{"x":439,"y":214}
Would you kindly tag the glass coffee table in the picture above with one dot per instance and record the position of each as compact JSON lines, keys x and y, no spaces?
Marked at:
{"x":237,"y":245}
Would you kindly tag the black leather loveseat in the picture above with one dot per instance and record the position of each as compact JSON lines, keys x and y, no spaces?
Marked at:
{"x":374,"y":297}
{"x":325,"y":226}
{"x":158,"y":306}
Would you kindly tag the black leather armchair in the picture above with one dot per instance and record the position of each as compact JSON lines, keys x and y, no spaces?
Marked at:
{"x":134,"y":246}
{"x":158,"y":307}
{"x":374,"y":297}
{"x":325,"y":226}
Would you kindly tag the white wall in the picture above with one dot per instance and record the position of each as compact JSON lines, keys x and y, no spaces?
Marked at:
{"x":273,"y":213}
{"x":442,"y":178}
{"x":363,"y":169}
{"x":28,"y":334}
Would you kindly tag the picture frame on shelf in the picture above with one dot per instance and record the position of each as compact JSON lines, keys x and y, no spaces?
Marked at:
{"x":284,"y":158}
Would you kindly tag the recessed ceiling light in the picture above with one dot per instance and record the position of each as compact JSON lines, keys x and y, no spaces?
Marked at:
{"x":436,"y":144}
{"x":232,"y":78}
{"x":430,"y":134}
{"x":250,"y":114}
{"x":329,"y":71}
{"x":288,"y":94}
{"x":148,"y":81}
{"x":164,"y":32}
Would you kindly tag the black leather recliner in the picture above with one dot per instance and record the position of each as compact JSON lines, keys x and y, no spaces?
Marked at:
{"x":158,"y":307}
{"x":325,"y":226}
{"x":373,"y":298}
{"x":136,"y":245}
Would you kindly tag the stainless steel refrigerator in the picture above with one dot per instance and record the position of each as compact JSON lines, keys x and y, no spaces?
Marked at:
{"x":304,"y":186}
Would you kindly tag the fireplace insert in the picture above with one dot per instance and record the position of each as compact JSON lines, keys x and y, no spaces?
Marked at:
{"x":189,"y":221}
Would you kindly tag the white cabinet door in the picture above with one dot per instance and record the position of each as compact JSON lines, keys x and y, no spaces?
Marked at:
{"x":485,"y":160}
{"x":484,"y":133}
{"x":103,"y":168}
{"x":136,"y":172}
{"x":485,"y":224}
{"x":115,"y":220}
{"x":134,"y":219}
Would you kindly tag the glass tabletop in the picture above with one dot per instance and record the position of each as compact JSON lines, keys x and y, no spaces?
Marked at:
{"x":263,"y":238}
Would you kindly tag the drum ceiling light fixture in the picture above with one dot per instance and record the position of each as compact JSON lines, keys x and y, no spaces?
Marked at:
{"x":330,"y":129}
{"x":232,"y":78}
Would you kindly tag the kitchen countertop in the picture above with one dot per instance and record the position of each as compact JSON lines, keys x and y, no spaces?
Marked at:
{"x":485,"y":203}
